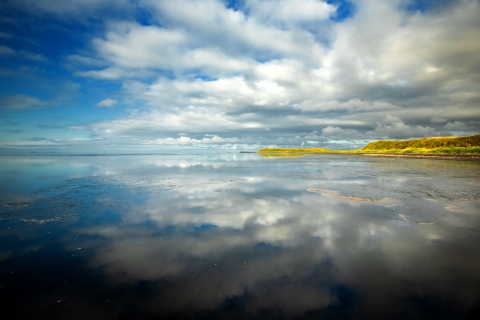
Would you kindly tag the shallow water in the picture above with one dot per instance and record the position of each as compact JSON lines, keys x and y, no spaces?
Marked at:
{"x":239,"y":236}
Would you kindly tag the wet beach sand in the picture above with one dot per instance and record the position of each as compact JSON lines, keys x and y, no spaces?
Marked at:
{"x":440,"y":156}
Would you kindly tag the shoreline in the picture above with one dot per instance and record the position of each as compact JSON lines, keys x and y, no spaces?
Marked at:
{"x":438,"y":156}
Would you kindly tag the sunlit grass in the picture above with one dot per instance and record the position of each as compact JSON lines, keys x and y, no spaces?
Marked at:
{"x":437,"y":145}
{"x":427,"y":143}
{"x":290,"y":151}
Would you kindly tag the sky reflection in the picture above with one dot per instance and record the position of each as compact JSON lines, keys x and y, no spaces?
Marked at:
{"x":237,"y":236}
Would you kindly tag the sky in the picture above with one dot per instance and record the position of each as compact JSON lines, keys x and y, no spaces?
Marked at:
{"x":124,"y":75}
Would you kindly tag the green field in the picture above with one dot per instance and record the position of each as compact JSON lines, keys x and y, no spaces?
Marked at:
{"x":436,"y":145}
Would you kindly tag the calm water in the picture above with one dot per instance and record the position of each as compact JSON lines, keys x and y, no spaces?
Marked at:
{"x":226,"y":236}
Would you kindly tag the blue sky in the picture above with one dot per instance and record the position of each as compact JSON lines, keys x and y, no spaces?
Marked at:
{"x":99,"y":75}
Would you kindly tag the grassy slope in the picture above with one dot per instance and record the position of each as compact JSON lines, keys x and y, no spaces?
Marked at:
{"x":451,"y":145}
{"x":428,"y":143}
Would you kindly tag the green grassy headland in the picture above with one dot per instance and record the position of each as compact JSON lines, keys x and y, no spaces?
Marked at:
{"x":445,"y":145}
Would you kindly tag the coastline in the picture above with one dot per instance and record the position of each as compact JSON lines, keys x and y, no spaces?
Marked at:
{"x":438,"y":156}
{"x":445,"y":148}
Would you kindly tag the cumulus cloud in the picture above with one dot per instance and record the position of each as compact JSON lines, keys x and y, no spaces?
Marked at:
{"x":107,"y":103}
{"x":333,"y":133}
{"x":132,"y":46}
{"x":394,"y":127}
{"x":337,"y":133}
{"x":191,"y":120}
{"x":183,"y":140}
{"x":457,"y":125}
{"x":285,"y":11}
{"x":235,"y":32}
{"x":226,"y":94}
{"x":373,"y":68}
{"x":197,"y":36}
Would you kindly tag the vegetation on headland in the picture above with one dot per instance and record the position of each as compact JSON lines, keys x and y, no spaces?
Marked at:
{"x":426,"y":143}
{"x":436,"y":145}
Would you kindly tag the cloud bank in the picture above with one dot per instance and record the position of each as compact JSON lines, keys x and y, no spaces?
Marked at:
{"x":277,"y":72}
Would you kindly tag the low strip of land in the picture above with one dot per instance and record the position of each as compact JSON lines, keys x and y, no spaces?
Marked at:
{"x":438,"y":148}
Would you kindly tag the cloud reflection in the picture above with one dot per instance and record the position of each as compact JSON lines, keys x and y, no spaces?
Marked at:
{"x":239,"y":236}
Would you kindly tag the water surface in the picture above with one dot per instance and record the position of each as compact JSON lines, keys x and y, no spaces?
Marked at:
{"x":222,"y":236}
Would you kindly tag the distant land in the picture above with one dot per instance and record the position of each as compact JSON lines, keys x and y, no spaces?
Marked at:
{"x":435,"y":147}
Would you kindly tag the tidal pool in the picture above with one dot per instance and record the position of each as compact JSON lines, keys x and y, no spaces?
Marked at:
{"x":238,"y":236}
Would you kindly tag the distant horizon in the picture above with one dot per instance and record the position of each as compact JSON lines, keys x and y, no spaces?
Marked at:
{"x":163,"y":150}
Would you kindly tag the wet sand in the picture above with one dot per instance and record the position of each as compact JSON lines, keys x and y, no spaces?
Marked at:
{"x":440,"y":156}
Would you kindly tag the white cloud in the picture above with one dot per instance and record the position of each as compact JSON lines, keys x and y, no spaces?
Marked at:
{"x":212,"y":23}
{"x":279,"y":69}
{"x":289,"y":11}
{"x":231,"y":95}
{"x":381,"y":67}
{"x":332,"y":133}
{"x":197,"y":37}
{"x":394,"y":127}
{"x":208,"y":139}
{"x":131,"y":46}
{"x":339,"y":133}
{"x":457,"y":125}
{"x":191,"y":120}
{"x":114,"y":73}
{"x":382,"y":50}
{"x":108,"y":103}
